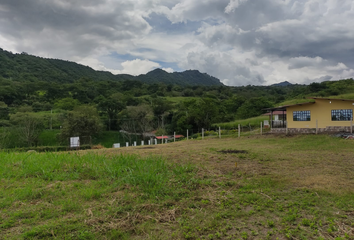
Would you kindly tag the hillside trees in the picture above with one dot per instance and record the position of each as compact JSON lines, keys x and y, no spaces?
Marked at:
{"x":4,"y":111}
{"x":196,"y":114}
{"x":68,"y":103}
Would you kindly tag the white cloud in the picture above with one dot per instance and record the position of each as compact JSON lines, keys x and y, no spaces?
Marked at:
{"x":169,"y":70}
{"x":138,"y":66}
{"x":233,"y":5}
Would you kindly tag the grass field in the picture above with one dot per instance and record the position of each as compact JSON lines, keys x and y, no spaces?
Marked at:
{"x":277,"y":187}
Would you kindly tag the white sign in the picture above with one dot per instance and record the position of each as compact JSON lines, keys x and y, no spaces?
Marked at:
{"x":75,"y":142}
{"x":116,"y":145}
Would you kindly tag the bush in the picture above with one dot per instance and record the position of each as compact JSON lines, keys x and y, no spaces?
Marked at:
{"x":46,"y":149}
{"x":196,"y":135}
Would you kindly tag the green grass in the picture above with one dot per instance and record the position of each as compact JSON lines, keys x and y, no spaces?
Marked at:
{"x":49,"y":138}
{"x":295,"y":101}
{"x":49,"y":195}
{"x":297,"y":187}
{"x":303,"y":100}
{"x":344,"y":96}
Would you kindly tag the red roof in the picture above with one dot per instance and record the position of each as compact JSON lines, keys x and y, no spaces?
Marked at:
{"x":179,"y":136}
{"x":160,"y":137}
{"x":275,"y":113}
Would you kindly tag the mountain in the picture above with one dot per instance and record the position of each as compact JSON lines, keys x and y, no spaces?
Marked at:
{"x":189,"y":77}
{"x":282,"y":84}
{"x":25,"y":67}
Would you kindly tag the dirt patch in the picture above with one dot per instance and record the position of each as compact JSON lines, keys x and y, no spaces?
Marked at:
{"x":232,"y":151}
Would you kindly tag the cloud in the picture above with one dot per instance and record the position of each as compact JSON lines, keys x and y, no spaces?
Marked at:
{"x":63,"y":28}
{"x":169,"y":70}
{"x":230,"y":70}
{"x":134,"y":67}
{"x":233,"y":5}
{"x":138,"y":66}
{"x":238,"y":41}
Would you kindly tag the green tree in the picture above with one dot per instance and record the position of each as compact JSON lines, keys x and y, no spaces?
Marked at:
{"x":67,"y":103}
{"x":111,"y":107}
{"x":205,"y":112}
{"x":253,"y":107}
{"x":29,"y":127}
{"x":83,"y":121}
{"x":4,"y":111}
{"x":138,"y":120}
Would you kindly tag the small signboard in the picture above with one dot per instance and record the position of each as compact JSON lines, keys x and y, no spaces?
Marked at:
{"x":74,"y":142}
{"x":116,"y":145}
{"x":266,"y":123}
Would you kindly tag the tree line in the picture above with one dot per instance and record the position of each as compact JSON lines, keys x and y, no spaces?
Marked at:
{"x":86,"y":107}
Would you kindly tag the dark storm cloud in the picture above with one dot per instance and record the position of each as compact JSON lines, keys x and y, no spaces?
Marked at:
{"x":79,"y":26}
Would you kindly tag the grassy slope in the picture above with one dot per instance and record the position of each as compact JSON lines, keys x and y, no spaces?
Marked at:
{"x":285,"y":187}
{"x":254,"y":122}
{"x":296,"y":101}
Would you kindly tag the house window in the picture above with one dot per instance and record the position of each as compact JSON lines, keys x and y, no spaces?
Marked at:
{"x":342,"y":115}
{"x":301,"y":116}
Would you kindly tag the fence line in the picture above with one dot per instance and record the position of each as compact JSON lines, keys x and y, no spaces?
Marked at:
{"x":203,"y":134}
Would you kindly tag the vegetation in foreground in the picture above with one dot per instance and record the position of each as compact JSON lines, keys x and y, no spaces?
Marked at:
{"x":282,"y":188}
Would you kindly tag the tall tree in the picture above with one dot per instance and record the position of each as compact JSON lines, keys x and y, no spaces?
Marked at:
{"x":83,"y":121}
{"x":111,"y":107}
{"x":29,"y":127}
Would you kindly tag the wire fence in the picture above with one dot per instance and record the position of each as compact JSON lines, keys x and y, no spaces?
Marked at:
{"x":50,"y":141}
{"x":195,"y":134}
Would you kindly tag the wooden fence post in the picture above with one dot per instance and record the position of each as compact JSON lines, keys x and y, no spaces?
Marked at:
{"x":202,"y":133}
{"x":187,"y":134}
{"x":219,"y":132}
{"x":239,"y":130}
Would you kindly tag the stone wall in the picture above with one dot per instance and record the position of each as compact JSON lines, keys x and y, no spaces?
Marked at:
{"x":312,"y":130}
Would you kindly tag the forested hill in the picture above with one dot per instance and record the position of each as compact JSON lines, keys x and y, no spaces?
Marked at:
{"x":24,"y":67}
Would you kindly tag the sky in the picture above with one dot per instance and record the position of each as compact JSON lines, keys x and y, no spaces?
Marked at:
{"x":241,"y":42}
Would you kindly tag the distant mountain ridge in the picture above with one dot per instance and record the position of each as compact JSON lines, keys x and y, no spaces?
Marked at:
{"x":282,"y":84}
{"x":24,"y":67}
